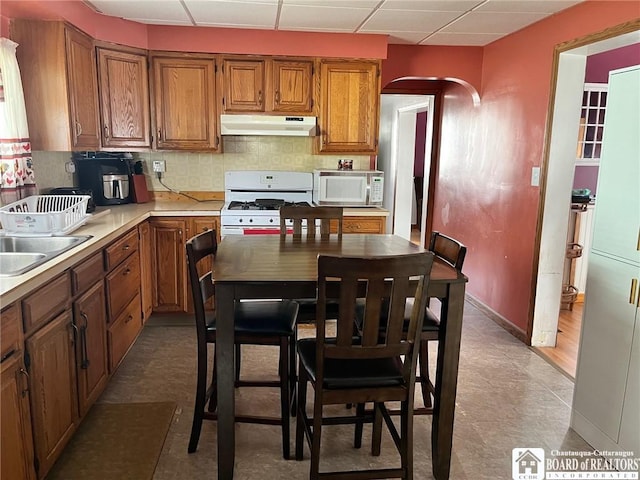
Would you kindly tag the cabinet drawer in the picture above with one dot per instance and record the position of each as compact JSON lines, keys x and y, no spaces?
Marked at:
{"x":121,"y":249}
{"x":123,"y":332}
{"x":122,"y":285}
{"x":10,"y":331}
{"x":46,"y":303}
{"x":87,"y":273}
{"x":362,"y":225}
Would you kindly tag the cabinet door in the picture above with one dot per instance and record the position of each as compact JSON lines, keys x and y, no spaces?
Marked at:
{"x":605,"y":346}
{"x":617,"y":215}
{"x":629,"y":431}
{"x":16,"y":448}
{"x":90,"y":319}
{"x":124,"y":99}
{"x":169,"y":260}
{"x":146,"y":270}
{"x":83,"y":91}
{"x":184,"y":93}
{"x":350,"y":104}
{"x":243,"y":85}
{"x":291,"y":86}
{"x":52,"y":384}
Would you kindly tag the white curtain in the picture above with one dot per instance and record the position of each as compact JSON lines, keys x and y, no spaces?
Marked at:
{"x":17,"y":178}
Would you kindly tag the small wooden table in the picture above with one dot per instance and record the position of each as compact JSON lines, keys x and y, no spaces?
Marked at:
{"x":268,"y":266}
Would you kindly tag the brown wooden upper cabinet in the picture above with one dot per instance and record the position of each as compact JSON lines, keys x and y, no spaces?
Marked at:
{"x":269,"y":85}
{"x":184,"y":103}
{"x":124,"y":99}
{"x":58,"y":69}
{"x":350,"y":106}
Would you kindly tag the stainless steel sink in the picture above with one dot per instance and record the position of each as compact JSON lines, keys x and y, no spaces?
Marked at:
{"x":18,"y":255}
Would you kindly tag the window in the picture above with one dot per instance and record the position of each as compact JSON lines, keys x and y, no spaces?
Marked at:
{"x":594,"y":102}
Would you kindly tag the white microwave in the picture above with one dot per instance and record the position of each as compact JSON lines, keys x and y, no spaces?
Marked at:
{"x":348,"y":188}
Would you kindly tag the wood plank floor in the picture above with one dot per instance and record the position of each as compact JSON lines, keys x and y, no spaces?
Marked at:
{"x":565,"y":354}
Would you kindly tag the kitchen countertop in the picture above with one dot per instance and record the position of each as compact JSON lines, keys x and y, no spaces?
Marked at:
{"x":108,"y":227}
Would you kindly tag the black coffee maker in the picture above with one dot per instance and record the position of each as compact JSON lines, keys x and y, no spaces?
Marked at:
{"x":107,"y":175}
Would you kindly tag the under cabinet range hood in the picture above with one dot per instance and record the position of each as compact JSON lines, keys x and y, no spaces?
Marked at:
{"x":268,"y":125}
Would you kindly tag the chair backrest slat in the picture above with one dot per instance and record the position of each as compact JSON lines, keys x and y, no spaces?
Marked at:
{"x":323,"y":217}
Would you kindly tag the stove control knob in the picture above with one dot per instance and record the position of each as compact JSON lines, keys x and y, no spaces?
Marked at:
{"x":271,"y":220}
{"x":251,"y":220}
{"x":239,"y":220}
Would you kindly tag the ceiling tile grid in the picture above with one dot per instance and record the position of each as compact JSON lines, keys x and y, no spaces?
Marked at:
{"x":414,"y":22}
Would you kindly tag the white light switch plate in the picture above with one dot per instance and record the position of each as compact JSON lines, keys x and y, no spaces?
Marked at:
{"x":535,"y":177}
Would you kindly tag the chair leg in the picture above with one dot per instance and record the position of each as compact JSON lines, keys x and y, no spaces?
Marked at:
{"x":423,"y":363}
{"x":357,"y":438}
{"x":284,"y":395}
{"x":213,"y":400}
{"x":406,"y":439}
{"x":315,"y":439}
{"x":376,"y":437}
{"x":302,"y":405}
{"x":201,"y":391}
{"x":293,"y":342}
{"x":238,"y":355}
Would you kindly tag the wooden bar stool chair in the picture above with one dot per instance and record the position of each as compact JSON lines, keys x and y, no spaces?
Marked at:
{"x":370,"y":368}
{"x":328,"y":221}
{"x":256,"y":323}
{"x":452,"y":252}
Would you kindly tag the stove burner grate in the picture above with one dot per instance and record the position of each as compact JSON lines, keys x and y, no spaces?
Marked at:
{"x":265,"y":204}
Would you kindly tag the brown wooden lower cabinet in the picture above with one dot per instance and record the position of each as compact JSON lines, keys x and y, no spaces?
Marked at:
{"x":16,"y":447}
{"x":171,"y":290}
{"x":123,"y":331}
{"x":363,"y":224}
{"x":51,"y":363}
{"x":146,"y":270}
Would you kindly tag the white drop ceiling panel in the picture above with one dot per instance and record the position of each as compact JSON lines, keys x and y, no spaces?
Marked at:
{"x":427,"y":22}
{"x":233,"y":13}
{"x":408,"y":21}
{"x":492,"y":22}
{"x":321,"y":18}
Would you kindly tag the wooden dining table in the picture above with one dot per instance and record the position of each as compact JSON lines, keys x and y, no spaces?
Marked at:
{"x":274,"y":266}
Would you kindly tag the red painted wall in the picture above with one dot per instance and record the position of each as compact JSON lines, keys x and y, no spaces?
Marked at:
{"x":599,"y":65}
{"x":198,"y":39}
{"x":434,"y":63}
{"x":483,"y":194}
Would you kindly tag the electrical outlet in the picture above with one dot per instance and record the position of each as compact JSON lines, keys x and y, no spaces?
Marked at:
{"x":70,"y":167}
{"x":158,"y":166}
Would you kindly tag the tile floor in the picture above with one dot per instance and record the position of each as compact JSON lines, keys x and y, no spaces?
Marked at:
{"x":507,"y":397}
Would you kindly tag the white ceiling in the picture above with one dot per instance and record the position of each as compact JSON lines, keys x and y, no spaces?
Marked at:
{"x":415,"y":22}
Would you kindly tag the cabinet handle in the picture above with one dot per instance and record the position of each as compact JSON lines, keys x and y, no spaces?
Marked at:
{"x":159,"y":134}
{"x":126,"y":247}
{"x":24,"y":391}
{"x":205,"y":229}
{"x":126,"y":272}
{"x":84,"y":358}
{"x":129,"y":318}
{"x":78,"y":129}
{"x":106,"y":131}
{"x":632,"y":292}
{"x":260,"y":97}
{"x":277,"y":96}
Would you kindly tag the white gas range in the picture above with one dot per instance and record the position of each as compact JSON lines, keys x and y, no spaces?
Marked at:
{"x":253,"y":199}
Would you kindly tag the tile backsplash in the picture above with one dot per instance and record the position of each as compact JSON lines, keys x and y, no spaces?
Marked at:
{"x":205,"y":171}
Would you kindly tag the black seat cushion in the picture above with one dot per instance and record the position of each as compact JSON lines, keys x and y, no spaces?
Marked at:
{"x":307,"y":311}
{"x":277,"y":318}
{"x":431,"y":322}
{"x":342,"y":374}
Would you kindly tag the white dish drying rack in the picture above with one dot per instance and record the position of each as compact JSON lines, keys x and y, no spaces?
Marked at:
{"x":45,"y":215}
